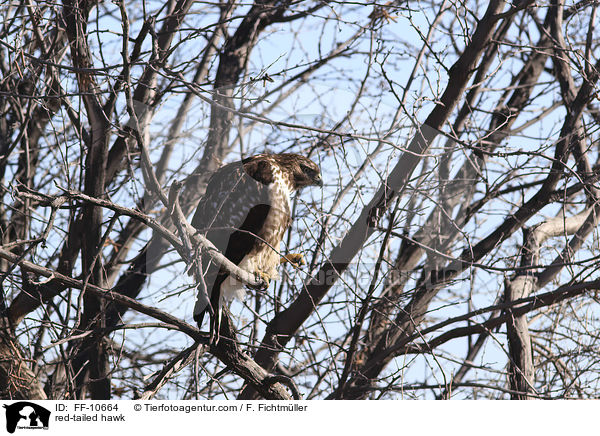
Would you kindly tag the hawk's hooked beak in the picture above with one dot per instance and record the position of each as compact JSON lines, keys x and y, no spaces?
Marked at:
{"x":318,"y":180}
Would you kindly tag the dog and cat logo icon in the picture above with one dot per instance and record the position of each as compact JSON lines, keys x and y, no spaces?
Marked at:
{"x":26,"y":415}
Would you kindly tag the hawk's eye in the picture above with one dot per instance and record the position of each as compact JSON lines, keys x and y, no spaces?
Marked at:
{"x":310,"y":172}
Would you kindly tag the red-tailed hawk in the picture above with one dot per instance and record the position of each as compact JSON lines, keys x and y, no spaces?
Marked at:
{"x":244,"y":213}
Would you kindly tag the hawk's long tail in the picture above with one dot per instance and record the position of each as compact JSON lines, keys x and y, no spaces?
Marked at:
{"x":203,"y":305}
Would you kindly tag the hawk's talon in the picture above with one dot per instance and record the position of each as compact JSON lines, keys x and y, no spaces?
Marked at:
{"x":296,"y":259}
{"x":260,"y":275}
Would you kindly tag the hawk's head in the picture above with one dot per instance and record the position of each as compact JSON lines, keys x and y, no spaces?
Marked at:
{"x":303,"y":171}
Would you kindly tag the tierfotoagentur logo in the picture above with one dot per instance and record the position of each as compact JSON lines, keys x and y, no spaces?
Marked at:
{"x":26,"y":415}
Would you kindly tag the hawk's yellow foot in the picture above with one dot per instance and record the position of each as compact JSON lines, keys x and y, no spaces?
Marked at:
{"x":296,"y":259}
{"x":266,"y":278}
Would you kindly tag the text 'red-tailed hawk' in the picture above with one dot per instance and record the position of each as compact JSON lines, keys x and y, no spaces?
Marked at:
{"x":244,"y":213}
